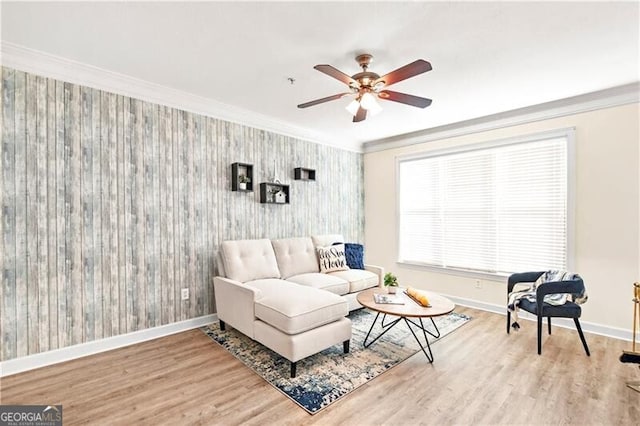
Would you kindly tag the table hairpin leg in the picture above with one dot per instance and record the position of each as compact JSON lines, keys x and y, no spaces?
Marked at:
{"x":385,"y":327}
{"x":421,"y":326}
{"x":390,"y":325}
{"x":424,"y":333}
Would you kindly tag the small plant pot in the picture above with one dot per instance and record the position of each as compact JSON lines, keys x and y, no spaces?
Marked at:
{"x":392,"y":289}
{"x":242,"y":185}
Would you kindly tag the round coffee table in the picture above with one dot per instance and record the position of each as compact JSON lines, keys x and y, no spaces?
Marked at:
{"x":406,"y":312}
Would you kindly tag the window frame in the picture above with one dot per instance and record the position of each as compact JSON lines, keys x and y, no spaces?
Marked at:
{"x":568,"y":133}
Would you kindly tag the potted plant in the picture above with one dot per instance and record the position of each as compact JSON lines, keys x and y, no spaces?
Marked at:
{"x":243,"y":180}
{"x":391,"y":282}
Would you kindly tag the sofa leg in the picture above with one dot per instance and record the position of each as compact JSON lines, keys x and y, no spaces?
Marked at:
{"x":293,"y":369}
{"x":345,"y":346}
{"x":222,"y":325}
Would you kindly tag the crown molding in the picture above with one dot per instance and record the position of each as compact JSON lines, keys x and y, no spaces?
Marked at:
{"x":59,"y":68}
{"x":607,"y":98}
{"x":52,"y":66}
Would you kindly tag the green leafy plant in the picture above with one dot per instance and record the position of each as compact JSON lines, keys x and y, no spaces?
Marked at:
{"x":390,"y":280}
{"x":244,"y":179}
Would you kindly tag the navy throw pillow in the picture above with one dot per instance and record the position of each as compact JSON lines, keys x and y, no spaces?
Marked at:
{"x":354,"y":254}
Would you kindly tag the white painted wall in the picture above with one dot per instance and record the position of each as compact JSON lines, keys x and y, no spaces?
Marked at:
{"x":607,"y":200}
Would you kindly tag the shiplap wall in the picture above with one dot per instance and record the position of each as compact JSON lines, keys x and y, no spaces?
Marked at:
{"x":111,"y":205}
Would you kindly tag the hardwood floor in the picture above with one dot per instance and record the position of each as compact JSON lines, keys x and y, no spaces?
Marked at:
{"x":480,"y":375}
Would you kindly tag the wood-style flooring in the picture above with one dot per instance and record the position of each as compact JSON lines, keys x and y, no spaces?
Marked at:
{"x":480,"y":375}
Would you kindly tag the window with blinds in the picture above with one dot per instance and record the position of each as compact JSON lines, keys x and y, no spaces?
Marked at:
{"x":496,"y":209}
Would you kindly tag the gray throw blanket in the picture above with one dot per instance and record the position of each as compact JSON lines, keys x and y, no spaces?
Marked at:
{"x":557,"y":299}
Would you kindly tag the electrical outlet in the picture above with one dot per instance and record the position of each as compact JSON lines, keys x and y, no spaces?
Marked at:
{"x":185,"y":294}
{"x":478,"y":284}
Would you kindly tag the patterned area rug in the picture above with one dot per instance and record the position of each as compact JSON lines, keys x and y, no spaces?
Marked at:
{"x":329,"y":375}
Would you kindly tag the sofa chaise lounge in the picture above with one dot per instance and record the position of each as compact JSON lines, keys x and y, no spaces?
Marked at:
{"x":273,"y":292}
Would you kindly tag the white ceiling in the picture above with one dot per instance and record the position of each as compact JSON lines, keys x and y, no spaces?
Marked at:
{"x":487,"y":57}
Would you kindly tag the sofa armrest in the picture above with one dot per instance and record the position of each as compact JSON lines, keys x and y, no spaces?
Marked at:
{"x":378,"y":270}
{"x":235,"y":303}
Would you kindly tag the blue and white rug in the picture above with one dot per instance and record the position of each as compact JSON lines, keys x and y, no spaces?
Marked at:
{"x":329,"y":375}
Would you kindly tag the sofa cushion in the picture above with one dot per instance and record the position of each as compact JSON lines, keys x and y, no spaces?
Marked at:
{"x":295,"y":256}
{"x":332,"y":258}
{"x":359,"y":279}
{"x":269,"y":284}
{"x":298,"y":346}
{"x":354,"y":253}
{"x":246,"y":260}
{"x":322,"y":281}
{"x":293,"y":308}
{"x":326,"y":239}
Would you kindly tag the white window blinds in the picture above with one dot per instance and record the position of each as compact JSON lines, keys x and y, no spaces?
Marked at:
{"x":500,"y":209}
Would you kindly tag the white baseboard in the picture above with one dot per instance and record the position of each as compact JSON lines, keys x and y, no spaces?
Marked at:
{"x":587,"y":327}
{"x":30,"y":362}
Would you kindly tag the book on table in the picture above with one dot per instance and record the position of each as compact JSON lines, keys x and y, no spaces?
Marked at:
{"x":388,"y":299}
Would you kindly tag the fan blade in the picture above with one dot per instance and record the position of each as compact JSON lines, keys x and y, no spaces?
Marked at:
{"x":323,"y":100}
{"x":360,"y":115}
{"x":402,"y":73}
{"x":337,"y":74}
{"x":403,"y":98}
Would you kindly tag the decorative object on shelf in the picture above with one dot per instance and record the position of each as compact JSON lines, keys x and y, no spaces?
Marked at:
{"x":280,"y":197}
{"x":274,"y":193}
{"x":242,"y":177}
{"x":243,"y":180}
{"x":274,"y":177}
{"x":391,"y":282}
{"x":300,"y":173}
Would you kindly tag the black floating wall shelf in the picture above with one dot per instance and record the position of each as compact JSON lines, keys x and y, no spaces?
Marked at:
{"x":244,"y":172}
{"x":300,"y":173}
{"x":274,"y":193}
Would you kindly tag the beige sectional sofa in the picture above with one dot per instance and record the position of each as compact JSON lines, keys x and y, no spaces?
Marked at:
{"x":273,"y":292}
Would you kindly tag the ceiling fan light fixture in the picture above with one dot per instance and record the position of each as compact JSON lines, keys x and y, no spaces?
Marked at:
{"x":366,"y":86}
{"x":369,"y":102}
{"x":375,"y":108}
{"x":353,"y":107}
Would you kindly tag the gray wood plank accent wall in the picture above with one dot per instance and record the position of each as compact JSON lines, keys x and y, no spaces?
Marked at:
{"x":111,"y":205}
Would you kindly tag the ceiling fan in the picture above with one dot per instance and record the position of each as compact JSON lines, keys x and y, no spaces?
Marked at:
{"x":367,"y":86}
